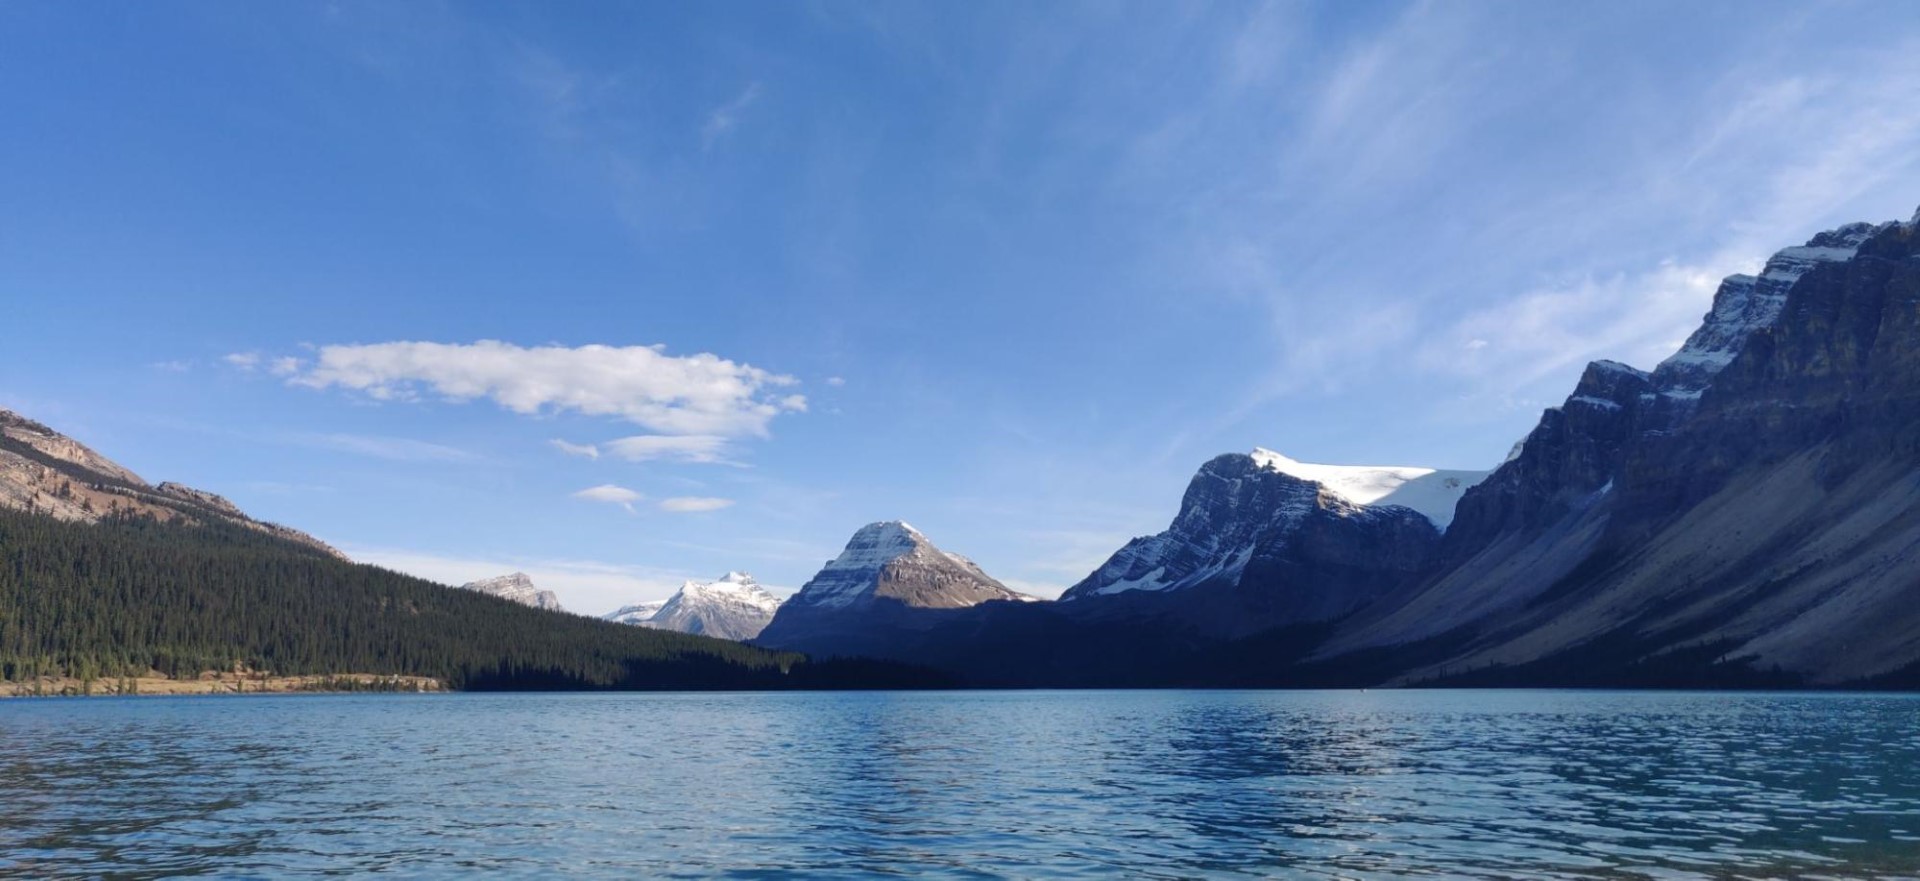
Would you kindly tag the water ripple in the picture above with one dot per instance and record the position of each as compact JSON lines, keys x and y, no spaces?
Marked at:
{"x":970,"y":785}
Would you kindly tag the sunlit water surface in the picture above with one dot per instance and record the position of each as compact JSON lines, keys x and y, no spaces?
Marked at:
{"x":1025,"y":784}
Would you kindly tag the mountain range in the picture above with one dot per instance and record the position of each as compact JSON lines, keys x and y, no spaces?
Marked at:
{"x":733,"y":606}
{"x":110,"y":579}
{"x":1746,"y":513}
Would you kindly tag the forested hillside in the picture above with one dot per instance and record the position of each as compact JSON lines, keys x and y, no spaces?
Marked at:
{"x":131,"y":594}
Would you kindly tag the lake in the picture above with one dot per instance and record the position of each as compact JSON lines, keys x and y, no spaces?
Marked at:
{"x":1173,"y":784}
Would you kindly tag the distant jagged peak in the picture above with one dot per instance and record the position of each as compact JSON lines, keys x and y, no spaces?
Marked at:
{"x":511,"y":579}
{"x":731,"y":579}
{"x":1745,"y":304}
{"x":733,"y":606}
{"x":517,"y":587}
{"x":1606,"y":366}
{"x":880,"y":542}
{"x":1288,"y":523}
{"x":885,"y":551}
{"x":889,"y":534}
{"x":735,"y":586}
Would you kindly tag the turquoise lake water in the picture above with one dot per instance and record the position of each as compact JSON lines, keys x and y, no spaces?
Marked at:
{"x":978,"y":784}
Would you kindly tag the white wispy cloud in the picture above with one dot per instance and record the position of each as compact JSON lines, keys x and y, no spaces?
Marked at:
{"x":694,"y":504}
{"x":699,"y":448}
{"x":1415,"y":222}
{"x":695,"y":395}
{"x":242,"y":360}
{"x":584,"y":451}
{"x":1637,"y":318}
{"x":280,"y":487}
{"x":723,"y":119}
{"x":610,"y":494}
{"x":1781,"y":155}
{"x":397,"y":449}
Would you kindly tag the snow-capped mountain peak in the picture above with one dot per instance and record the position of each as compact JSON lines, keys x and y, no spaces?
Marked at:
{"x":890,"y":545}
{"x":852,"y":575}
{"x":1430,"y":491}
{"x":1283,"y":520}
{"x":733,"y":606}
{"x":888,"y":574}
{"x":877,"y":543}
{"x":638,"y":613}
{"x":1745,"y":304}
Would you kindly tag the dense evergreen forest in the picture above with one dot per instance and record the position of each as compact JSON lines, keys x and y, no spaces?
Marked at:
{"x":130,"y":595}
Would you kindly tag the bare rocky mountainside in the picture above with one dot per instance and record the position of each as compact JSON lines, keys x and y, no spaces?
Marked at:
{"x":45,"y":472}
{"x":517,"y":587}
{"x":888,"y":585}
{"x":1751,"y":507}
{"x":733,"y":606}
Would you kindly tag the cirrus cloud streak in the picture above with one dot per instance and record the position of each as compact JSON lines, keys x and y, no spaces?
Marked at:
{"x":694,"y":504}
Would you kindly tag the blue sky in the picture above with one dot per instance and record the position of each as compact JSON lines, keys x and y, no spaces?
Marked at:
{"x":1009,"y":271}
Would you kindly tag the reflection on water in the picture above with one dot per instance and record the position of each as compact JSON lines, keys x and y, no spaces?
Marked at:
{"x":1152,"y":784}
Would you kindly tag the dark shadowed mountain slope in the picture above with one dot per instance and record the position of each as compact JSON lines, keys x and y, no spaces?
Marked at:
{"x":1748,"y":511}
{"x":1263,"y":541}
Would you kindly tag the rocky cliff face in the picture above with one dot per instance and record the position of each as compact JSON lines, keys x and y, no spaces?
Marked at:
{"x":1263,"y":541}
{"x":517,"y":587}
{"x":875,"y":593}
{"x":1749,"y":505}
{"x":45,"y":472}
{"x":733,"y":606}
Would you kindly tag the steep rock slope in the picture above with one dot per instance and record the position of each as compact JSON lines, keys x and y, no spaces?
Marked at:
{"x":733,"y":606}
{"x":1748,"y":511}
{"x":1263,"y":541}
{"x":517,"y":587}
{"x":887,"y":586}
{"x":45,"y":472}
